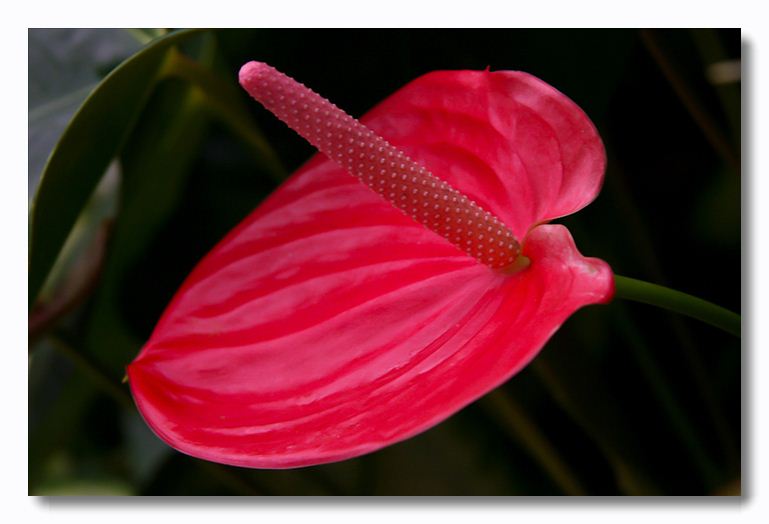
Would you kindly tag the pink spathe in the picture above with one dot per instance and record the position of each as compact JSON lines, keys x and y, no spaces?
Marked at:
{"x":333,"y":321}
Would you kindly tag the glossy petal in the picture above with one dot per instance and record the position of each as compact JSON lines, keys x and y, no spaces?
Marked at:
{"x":329,"y":324}
{"x":509,"y":141}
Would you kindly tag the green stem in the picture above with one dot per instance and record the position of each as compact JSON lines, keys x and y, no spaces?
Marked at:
{"x":688,"y":95}
{"x":522,"y":428}
{"x":691,"y":306}
{"x":224,"y":100}
{"x":92,"y":370}
{"x":666,"y":396}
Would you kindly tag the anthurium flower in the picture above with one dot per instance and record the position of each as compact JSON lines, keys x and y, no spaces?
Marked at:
{"x":336,"y":320}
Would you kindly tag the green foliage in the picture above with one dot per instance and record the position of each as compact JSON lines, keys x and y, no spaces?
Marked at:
{"x":84,"y":151}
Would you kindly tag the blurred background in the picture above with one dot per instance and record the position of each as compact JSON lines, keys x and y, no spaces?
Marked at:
{"x":166,"y":154}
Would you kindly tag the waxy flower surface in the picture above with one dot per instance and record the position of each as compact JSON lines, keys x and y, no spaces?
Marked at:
{"x":340,"y":316}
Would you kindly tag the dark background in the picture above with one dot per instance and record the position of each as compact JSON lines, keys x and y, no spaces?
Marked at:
{"x":625,"y":399}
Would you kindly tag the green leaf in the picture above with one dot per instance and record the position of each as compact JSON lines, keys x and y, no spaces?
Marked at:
{"x":157,"y":159}
{"x":225,"y":101}
{"x":57,"y":410}
{"x":145,"y":452}
{"x":76,"y":487}
{"x":573,"y":370}
{"x":90,"y":142}
{"x":146,"y":35}
{"x":65,"y":65}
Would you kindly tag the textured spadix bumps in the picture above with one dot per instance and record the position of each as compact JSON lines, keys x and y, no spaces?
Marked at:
{"x":330,"y":323}
{"x":384,"y":168}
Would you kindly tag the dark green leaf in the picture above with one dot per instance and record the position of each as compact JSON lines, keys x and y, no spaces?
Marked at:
{"x":90,"y":142}
{"x":156,"y":162}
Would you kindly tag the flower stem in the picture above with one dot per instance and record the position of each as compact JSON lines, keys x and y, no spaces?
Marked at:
{"x":664,"y":297}
{"x":520,"y":426}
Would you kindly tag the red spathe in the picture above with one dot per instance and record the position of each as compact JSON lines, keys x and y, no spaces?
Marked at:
{"x":329,"y":324}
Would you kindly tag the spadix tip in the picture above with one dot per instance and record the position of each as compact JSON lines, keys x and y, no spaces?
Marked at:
{"x":251,"y":73}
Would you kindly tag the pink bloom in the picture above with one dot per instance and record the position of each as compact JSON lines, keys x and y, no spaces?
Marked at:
{"x":336,"y":320}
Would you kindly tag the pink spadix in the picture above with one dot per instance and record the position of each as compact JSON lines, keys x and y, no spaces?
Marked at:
{"x":382,"y":167}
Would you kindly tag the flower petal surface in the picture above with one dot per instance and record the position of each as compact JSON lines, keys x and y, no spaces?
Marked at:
{"x":328,"y":324}
{"x":508,"y":140}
